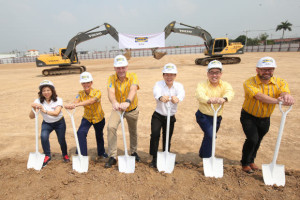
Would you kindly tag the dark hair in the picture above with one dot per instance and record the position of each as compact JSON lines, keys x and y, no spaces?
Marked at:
{"x":53,"y":97}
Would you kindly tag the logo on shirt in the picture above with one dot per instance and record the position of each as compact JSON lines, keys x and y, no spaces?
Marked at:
{"x":110,"y":85}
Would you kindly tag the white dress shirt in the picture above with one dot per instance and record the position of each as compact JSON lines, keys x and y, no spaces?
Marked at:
{"x":161,"y":89}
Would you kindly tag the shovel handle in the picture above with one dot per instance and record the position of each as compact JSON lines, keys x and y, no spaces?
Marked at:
{"x":123,"y":131}
{"x":71,"y":114}
{"x":214,"y":129}
{"x":36,"y":114}
{"x":282,"y":123}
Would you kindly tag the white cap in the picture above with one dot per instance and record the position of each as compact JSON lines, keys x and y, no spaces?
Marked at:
{"x":120,"y":61}
{"x":46,"y":83}
{"x":86,"y":77}
{"x":214,"y":64}
{"x":266,"y":62}
{"x":170,"y":68}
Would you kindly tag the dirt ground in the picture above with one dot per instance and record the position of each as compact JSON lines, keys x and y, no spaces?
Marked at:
{"x":19,"y":87}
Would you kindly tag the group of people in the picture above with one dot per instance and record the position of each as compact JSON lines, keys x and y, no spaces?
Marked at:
{"x":262,"y":93}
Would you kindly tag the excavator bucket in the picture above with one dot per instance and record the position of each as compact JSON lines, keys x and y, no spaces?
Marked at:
{"x":158,"y":55}
{"x":127,"y":54}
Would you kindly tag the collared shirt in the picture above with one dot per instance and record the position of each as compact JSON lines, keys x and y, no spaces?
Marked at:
{"x":122,"y":88}
{"x":205,"y":90}
{"x":51,"y":107}
{"x":161,"y":89}
{"x":273,"y":89}
{"x":93,"y":113}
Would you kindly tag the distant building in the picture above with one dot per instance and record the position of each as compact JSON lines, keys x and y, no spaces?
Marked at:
{"x":287,"y":40}
{"x":32,"y":52}
{"x":8,"y":55}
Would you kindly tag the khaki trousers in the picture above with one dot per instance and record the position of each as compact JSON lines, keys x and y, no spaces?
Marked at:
{"x":113,"y":123}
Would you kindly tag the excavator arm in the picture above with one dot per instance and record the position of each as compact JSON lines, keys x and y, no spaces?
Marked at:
{"x":70,"y":52}
{"x":195,"y":31}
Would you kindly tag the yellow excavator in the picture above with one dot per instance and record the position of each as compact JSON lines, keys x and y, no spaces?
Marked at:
{"x":67,"y":57}
{"x":215,"y":48}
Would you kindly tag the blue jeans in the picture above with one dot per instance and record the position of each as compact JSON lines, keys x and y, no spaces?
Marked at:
{"x":60,"y":129}
{"x":206,"y":124}
{"x":82,"y":134}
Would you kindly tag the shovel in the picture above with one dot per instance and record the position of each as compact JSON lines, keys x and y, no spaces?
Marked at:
{"x":273,"y":173}
{"x":166,"y":160}
{"x":126,"y":163}
{"x":36,"y":159}
{"x":213,"y":167}
{"x":80,"y":163}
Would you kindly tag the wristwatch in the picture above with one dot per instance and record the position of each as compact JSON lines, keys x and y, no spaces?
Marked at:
{"x":128,"y":101}
{"x":225,"y":98}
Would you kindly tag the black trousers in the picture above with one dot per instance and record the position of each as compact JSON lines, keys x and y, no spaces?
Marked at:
{"x":159,"y":122}
{"x":255,"y":129}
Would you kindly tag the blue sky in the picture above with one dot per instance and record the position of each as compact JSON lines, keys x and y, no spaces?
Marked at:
{"x":41,"y":25}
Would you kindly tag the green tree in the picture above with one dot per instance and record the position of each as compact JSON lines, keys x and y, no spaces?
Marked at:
{"x":284,"y":26}
{"x":241,"y":38}
{"x":263,"y":37}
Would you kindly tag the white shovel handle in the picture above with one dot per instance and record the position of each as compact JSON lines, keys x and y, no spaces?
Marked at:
{"x":168,"y":126}
{"x":71,"y":114}
{"x":282,"y":123}
{"x":123,"y":131}
{"x":36,"y":114}
{"x":214,"y":129}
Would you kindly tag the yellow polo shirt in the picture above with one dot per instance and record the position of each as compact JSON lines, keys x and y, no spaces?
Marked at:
{"x":205,"y":90}
{"x":122,"y":88}
{"x":93,"y":113}
{"x":273,"y":89}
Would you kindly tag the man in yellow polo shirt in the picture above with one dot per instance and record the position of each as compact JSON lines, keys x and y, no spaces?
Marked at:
{"x":262,"y":93}
{"x":90,"y":99}
{"x":212,"y":91}
{"x":122,"y":93}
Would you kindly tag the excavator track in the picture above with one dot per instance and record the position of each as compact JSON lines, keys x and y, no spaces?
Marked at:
{"x":64,"y":70}
{"x":223,"y":60}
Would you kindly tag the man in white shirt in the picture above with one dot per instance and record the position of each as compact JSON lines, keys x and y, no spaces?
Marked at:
{"x":164,"y":91}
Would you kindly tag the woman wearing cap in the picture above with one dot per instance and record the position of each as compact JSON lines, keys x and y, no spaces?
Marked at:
{"x":167,"y":90}
{"x":262,"y":93}
{"x":212,"y":91}
{"x":50,"y":106}
{"x":90,"y":99}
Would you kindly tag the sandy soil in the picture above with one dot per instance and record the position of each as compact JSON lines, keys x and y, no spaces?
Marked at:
{"x":19,"y":87}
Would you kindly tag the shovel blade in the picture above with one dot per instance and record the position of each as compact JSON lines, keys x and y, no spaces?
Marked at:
{"x":80,"y":163}
{"x":213,"y":167}
{"x":166,"y":161}
{"x":35,"y":160}
{"x":126,"y":164}
{"x":273,"y":174}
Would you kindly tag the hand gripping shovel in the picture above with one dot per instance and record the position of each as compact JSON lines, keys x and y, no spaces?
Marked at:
{"x":273,"y":173}
{"x":80,"y":163}
{"x":36,"y":159}
{"x":166,"y":160}
{"x":126,"y":163}
{"x":213,"y":167}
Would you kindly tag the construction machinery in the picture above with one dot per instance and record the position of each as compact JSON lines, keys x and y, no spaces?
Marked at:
{"x":215,"y":48}
{"x":67,"y":57}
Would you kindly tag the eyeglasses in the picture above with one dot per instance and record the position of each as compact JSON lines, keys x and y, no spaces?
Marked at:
{"x":214,"y":73}
{"x":267,"y":70}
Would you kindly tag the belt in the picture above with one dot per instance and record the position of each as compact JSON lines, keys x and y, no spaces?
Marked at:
{"x":132,"y":110}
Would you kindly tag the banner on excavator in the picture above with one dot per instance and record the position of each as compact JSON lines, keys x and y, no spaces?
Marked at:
{"x":129,"y":41}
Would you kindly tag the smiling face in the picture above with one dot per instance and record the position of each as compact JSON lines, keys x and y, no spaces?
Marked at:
{"x":169,"y":78}
{"x":47,"y":92}
{"x":214,"y":76}
{"x":266,"y":73}
{"x":121,"y":72}
{"x":87,"y":87}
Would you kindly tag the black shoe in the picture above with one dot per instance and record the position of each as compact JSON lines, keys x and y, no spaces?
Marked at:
{"x":137,"y":158}
{"x":153,"y":163}
{"x":110,"y":162}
